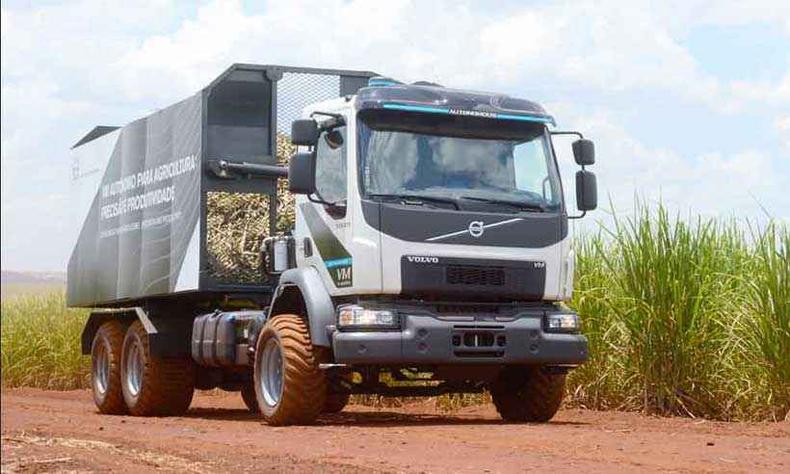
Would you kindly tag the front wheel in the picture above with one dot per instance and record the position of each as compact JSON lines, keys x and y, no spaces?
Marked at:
{"x":289,"y":386}
{"x":527,"y":394}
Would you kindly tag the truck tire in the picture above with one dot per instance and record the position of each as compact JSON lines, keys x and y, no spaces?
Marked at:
{"x":289,"y":386}
{"x":335,"y":402}
{"x":249,"y":397}
{"x":527,"y":394}
{"x":154,"y":386}
{"x":337,"y":387}
{"x":106,"y":368}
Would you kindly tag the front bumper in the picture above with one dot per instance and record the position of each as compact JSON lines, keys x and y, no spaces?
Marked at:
{"x":434,"y":340}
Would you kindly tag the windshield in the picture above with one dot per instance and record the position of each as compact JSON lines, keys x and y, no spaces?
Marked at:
{"x":501,"y":162}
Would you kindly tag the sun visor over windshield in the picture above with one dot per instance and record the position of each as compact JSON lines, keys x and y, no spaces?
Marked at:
{"x":439,"y":100}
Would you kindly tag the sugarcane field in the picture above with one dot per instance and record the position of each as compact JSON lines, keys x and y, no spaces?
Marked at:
{"x":395,"y":237}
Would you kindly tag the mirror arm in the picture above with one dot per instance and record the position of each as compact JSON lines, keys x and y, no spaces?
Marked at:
{"x":562,"y":132}
{"x":231,"y":169}
{"x":316,"y":198}
{"x":337,"y":120}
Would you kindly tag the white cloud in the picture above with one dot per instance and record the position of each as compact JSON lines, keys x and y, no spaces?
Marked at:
{"x":608,"y":46}
{"x":737,"y":182}
{"x":782,"y":126}
{"x":389,"y":37}
{"x":732,"y":12}
{"x":186,"y":60}
{"x":68,"y":67}
{"x":765,"y":93}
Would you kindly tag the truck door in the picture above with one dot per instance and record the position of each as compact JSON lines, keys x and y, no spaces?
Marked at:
{"x":328,"y":225}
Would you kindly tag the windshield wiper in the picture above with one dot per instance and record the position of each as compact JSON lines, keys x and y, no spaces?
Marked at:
{"x":417,"y":198}
{"x":524,"y":206}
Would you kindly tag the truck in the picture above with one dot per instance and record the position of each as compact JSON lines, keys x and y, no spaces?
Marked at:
{"x":300,"y":235}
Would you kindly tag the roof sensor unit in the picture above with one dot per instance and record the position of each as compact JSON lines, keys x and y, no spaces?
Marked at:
{"x":427,"y":83}
{"x":379,"y":81}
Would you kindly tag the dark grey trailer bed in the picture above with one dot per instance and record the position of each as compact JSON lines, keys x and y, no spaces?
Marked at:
{"x":159,"y":220}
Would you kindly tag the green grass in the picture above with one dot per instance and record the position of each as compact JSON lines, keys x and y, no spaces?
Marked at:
{"x":11,"y":290}
{"x":686,"y":317}
{"x":40,"y":342}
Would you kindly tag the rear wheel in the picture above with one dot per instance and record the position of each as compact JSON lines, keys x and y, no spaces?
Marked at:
{"x":154,"y":386}
{"x":527,"y":394}
{"x":289,"y":386}
{"x":106,"y":368}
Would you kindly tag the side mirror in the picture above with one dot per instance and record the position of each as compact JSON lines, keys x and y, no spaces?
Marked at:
{"x":584,"y":152}
{"x":586,"y":190}
{"x":304,"y":132}
{"x":301,"y":173}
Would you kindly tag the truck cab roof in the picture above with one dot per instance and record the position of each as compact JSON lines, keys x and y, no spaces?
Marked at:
{"x":432,"y":98}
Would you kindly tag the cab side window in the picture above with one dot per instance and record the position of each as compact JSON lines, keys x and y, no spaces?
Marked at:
{"x":330,"y":165}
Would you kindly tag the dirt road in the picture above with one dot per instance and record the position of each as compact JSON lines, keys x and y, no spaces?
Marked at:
{"x":60,"y":431}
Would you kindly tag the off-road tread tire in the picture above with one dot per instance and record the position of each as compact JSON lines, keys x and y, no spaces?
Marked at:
{"x":110,"y":333}
{"x":249,"y":397}
{"x":168,"y":383}
{"x":528,"y":394}
{"x":304,"y":384}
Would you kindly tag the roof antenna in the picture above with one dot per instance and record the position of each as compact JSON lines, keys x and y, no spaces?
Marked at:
{"x":427,"y":83}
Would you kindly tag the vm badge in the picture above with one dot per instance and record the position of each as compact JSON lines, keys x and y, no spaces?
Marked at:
{"x":476,"y":228}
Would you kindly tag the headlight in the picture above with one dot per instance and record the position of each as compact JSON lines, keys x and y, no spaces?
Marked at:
{"x":562,"y":322}
{"x":353,"y":316}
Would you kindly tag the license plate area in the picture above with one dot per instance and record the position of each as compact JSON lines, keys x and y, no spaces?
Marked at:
{"x":478,"y":341}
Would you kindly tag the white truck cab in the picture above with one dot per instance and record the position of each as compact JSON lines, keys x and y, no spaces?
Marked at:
{"x":434,"y":221}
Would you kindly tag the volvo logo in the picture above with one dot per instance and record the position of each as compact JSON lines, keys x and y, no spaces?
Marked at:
{"x":476,"y":228}
{"x":418,"y":259}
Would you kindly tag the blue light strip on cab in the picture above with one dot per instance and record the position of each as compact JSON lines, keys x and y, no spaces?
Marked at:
{"x":440,"y":110}
{"x":417,"y":108}
{"x":381,"y":82}
{"x":338,"y":262}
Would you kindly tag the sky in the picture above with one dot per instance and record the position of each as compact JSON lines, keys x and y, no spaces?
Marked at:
{"x":688,"y":102}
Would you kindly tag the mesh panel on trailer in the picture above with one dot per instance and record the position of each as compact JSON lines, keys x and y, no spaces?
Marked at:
{"x":296,"y":90}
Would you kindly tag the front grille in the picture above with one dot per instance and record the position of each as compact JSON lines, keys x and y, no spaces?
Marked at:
{"x":466,"y":309}
{"x":474,"y":275}
{"x":478,"y":339}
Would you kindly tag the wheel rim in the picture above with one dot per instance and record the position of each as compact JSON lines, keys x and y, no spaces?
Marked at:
{"x":101,"y":369}
{"x":271,"y":376}
{"x":134,"y":369}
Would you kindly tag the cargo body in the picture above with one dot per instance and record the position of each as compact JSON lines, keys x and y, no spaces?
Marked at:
{"x":156,"y":222}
